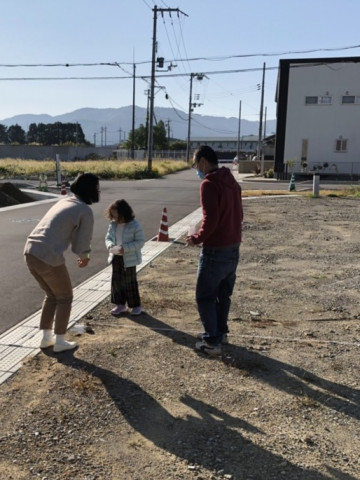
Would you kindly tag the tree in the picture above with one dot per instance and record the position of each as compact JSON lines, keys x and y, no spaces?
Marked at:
{"x":3,"y":134}
{"x":56,"y":134}
{"x":140,"y":138}
{"x":31,"y":135}
{"x":160,"y":141}
{"x":16,"y":134}
{"x":178,"y":145}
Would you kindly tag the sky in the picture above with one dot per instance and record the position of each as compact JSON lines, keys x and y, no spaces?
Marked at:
{"x":104,"y":42}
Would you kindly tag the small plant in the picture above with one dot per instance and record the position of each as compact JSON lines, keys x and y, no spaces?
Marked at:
{"x":269,"y":173}
{"x":112,"y":351}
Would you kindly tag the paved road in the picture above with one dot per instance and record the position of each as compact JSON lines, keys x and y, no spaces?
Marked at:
{"x":20,"y":296}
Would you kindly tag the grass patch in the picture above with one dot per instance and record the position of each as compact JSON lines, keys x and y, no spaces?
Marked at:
{"x":258,"y":193}
{"x":353,"y":192}
{"x":104,"y":169}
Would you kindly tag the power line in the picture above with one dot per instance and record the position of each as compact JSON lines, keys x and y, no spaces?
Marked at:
{"x":217,"y":58}
{"x":143,"y":77}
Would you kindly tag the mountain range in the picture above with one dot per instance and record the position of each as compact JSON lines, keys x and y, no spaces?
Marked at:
{"x":107,"y":126}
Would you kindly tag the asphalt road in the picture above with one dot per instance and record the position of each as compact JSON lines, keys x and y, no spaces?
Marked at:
{"x":20,"y":295}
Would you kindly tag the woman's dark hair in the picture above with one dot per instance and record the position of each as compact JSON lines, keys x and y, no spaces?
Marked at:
{"x":123,"y":209}
{"x":206,"y":152}
{"x":86,"y":187}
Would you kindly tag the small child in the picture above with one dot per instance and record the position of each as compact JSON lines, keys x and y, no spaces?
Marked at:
{"x":124,"y":241}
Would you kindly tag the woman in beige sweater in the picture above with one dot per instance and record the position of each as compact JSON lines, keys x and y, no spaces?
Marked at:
{"x":69,"y":222}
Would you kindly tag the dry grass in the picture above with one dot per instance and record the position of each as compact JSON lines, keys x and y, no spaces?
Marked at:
{"x":105,"y":169}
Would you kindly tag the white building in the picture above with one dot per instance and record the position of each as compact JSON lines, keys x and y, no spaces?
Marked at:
{"x":318,"y":116}
{"x":247,"y":144}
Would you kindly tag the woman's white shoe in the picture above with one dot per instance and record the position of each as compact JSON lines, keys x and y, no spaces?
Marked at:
{"x":63,"y":346}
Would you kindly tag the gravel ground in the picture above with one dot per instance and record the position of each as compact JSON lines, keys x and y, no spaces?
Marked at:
{"x":136,"y":402}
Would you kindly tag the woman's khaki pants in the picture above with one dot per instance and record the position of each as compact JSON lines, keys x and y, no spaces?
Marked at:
{"x":55,"y":282}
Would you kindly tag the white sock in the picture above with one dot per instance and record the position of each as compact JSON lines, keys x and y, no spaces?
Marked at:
{"x":60,"y":339}
{"x":47,"y":334}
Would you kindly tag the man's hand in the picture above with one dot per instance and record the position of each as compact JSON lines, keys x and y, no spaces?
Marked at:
{"x":82,"y":262}
{"x":189,"y":241}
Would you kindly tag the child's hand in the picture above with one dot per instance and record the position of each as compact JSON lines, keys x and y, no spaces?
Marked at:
{"x":114,"y":249}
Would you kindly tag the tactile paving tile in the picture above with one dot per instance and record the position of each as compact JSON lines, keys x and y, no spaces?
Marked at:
{"x":13,"y":356}
{"x":19,"y":335}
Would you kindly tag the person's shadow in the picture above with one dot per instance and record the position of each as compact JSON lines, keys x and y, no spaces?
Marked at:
{"x":202,"y":438}
{"x":282,"y":376}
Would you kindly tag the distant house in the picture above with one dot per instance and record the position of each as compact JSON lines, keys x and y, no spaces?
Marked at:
{"x":318,"y":116}
{"x":248,"y":144}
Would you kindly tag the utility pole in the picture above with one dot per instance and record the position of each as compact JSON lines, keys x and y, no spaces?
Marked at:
{"x":152,"y":84}
{"x":133,"y":117}
{"x":167,"y":123}
{"x":259,"y":150}
{"x":238,"y":137}
{"x":147,"y":93}
{"x":265,"y":122}
{"x":199,"y":76}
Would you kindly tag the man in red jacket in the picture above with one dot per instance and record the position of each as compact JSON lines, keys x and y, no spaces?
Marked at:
{"x":220,"y":236}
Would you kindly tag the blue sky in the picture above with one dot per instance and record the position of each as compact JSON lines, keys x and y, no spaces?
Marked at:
{"x":213,"y":38}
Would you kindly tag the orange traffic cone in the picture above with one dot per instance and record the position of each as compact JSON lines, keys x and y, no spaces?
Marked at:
{"x":63,"y":188}
{"x":163,"y":235}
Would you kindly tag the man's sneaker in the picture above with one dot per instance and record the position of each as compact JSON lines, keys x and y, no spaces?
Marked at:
{"x":118,"y":309}
{"x":136,"y":311}
{"x":208,"y":348}
{"x":203,"y":335}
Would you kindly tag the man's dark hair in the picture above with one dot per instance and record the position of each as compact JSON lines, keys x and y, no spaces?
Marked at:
{"x":123,"y":209}
{"x":206,"y":152}
{"x":86,"y":187}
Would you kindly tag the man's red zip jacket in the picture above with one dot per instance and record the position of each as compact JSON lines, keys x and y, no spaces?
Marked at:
{"x":220,"y":197}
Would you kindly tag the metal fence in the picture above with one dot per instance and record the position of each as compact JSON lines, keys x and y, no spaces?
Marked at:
{"x":123,"y":154}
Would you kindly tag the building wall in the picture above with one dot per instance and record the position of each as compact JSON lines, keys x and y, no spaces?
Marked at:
{"x":322,"y":125}
{"x":33,"y":152}
{"x":247,"y":143}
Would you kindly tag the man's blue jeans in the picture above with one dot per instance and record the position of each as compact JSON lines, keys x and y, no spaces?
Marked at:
{"x":215,"y":284}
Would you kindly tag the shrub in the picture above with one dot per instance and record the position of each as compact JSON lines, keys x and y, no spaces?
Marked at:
{"x":269,"y":173}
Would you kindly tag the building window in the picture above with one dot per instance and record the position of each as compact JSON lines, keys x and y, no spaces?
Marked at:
{"x":351,"y":99}
{"x":341,"y":145}
{"x":322,"y":100}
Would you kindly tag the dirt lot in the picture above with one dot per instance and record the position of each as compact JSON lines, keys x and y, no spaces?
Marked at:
{"x":136,"y":402}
